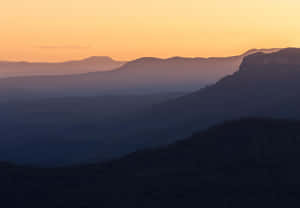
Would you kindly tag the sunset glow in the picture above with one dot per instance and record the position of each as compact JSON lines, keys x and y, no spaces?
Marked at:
{"x":58,"y":30}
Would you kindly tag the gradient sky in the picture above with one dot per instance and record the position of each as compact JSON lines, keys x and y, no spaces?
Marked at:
{"x":57,"y":30}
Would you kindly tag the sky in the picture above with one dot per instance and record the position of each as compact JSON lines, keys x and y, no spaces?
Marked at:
{"x":58,"y":30}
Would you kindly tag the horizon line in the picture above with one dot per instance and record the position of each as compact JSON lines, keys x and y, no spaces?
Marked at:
{"x":139,"y":57}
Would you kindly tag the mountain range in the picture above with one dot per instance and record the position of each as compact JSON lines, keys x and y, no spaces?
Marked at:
{"x":91,"y":64}
{"x":141,"y":76}
{"x":233,"y":143}
{"x":265,"y":85}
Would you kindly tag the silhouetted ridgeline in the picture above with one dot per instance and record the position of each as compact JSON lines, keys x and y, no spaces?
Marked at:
{"x":258,"y":88}
{"x":144,"y":75}
{"x":91,"y":64}
{"x":243,"y":163}
{"x":58,"y":136}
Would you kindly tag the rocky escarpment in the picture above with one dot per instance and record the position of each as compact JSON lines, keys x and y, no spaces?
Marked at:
{"x":284,"y":57}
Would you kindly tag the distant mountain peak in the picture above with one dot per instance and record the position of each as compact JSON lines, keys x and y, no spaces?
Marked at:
{"x":100,"y":59}
{"x":90,"y":64}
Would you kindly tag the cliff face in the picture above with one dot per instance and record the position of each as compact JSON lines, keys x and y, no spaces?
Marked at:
{"x":283,"y":58}
{"x":266,"y":85}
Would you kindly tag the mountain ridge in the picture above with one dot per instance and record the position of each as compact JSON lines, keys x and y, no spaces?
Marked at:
{"x":271,"y":91}
{"x":27,"y":69}
{"x":111,"y":64}
{"x":253,"y":92}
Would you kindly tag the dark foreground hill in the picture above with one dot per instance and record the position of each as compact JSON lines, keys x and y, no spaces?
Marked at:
{"x":244,"y":163}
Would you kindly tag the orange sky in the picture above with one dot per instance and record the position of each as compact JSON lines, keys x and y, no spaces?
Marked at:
{"x":57,"y":30}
